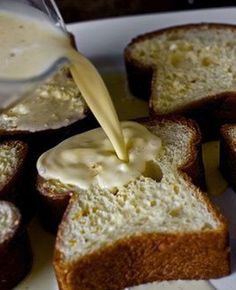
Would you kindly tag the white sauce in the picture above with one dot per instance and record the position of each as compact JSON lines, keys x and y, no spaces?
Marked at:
{"x":89,"y":158}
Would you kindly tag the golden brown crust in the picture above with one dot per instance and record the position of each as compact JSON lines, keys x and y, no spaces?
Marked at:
{"x":210,"y":112}
{"x":228,"y":154}
{"x":148,"y":258}
{"x":15,"y":253}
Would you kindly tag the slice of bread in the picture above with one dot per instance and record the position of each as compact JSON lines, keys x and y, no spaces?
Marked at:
{"x":145,"y":231}
{"x":228,"y":153}
{"x":15,"y":249}
{"x":186,"y":70}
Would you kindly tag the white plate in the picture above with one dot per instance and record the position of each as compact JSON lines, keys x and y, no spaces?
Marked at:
{"x":103,"y":42}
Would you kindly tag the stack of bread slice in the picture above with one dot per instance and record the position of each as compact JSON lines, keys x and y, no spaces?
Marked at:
{"x":15,"y":249}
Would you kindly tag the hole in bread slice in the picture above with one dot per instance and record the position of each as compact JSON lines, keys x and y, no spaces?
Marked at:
{"x":153,"y":170}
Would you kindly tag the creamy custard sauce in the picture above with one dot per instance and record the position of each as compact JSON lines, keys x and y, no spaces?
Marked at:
{"x":30,"y":44}
{"x":89,"y":159}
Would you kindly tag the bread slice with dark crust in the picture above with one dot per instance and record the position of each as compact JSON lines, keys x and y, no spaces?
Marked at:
{"x":15,"y":249}
{"x":140,"y":255}
{"x":146,"y":258}
{"x":228,"y":153}
{"x":152,"y":57}
{"x":15,"y":209}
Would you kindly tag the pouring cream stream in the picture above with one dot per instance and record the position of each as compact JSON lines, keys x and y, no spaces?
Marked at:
{"x":30,"y":43}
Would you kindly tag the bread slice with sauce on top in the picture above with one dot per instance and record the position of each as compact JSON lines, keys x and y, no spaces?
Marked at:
{"x":186,"y":70}
{"x":147,"y":230}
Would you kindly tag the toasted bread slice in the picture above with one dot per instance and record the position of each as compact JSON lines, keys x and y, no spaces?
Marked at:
{"x":148,"y":230}
{"x":228,"y":153}
{"x":186,"y":70}
{"x":15,"y":249}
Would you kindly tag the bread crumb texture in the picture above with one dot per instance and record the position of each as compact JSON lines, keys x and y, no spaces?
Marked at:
{"x":190,"y":64}
{"x":97,"y":217}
